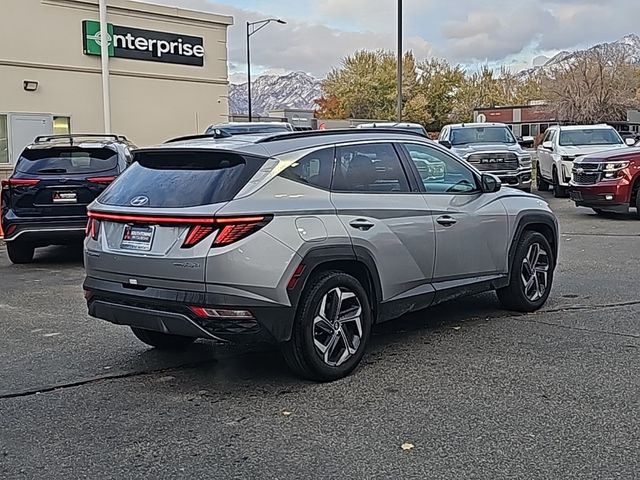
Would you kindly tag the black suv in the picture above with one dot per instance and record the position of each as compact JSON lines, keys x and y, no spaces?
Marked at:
{"x":44,"y":201}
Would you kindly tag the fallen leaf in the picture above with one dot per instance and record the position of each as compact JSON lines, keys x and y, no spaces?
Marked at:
{"x":407,"y":446}
{"x":51,"y":334}
{"x":286,"y":413}
{"x":457,"y":328}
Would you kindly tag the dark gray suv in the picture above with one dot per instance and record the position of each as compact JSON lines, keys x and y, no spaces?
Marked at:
{"x":307,"y":239}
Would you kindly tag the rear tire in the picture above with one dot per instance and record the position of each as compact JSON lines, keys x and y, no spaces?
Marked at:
{"x":558,"y":190}
{"x":530,"y":275}
{"x":541,"y":184}
{"x":638,"y":199}
{"x":331,"y":329}
{"x":20,"y":253}
{"x":162,"y":341}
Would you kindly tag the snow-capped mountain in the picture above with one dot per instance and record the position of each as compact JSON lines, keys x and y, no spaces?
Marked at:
{"x":273,"y":92}
{"x":628,"y":46}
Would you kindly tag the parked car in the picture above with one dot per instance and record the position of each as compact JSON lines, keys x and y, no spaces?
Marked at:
{"x":491,"y":148}
{"x":561,"y":145}
{"x":607,"y":181}
{"x":44,"y":201}
{"x":242,"y":128}
{"x":411,"y":127}
{"x":306,"y":239}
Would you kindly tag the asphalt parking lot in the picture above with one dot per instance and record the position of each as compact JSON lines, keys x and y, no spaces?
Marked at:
{"x":476,"y":391}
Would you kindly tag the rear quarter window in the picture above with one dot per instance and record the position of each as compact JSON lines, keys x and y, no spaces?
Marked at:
{"x":72,"y":160}
{"x":182,"y":178}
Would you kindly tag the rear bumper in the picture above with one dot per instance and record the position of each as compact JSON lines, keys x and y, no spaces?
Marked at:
{"x":43,"y":230}
{"x":167,"y":311}
{"x":612,"y":196}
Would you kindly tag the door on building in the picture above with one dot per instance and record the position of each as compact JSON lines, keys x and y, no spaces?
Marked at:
{"x":24,"y":128}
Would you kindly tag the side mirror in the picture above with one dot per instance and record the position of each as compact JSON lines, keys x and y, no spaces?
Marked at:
{"x":445,"y":143}
{"x":630,"y":141}
{"x":490,"y":183}
{"x":547,"y":145}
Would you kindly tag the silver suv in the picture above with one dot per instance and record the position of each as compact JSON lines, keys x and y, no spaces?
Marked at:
{"x":307,"y":239}
{"x":491,"y":148}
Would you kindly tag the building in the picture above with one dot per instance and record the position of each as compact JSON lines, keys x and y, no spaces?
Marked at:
{"x":533,"y":120}
{"x":168,"y":71}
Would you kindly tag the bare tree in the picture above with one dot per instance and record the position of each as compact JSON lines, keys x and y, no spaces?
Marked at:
{"x":595,"y":86}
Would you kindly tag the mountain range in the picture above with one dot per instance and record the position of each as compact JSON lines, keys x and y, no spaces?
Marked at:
{"x":299,"y":90}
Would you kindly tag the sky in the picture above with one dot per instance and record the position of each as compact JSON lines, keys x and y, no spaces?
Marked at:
{"x":319,"y":33}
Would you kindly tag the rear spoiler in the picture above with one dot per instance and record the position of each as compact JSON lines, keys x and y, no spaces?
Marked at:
{"x":78,"y":137}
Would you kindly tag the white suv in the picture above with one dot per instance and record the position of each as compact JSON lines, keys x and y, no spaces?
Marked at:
{"x":562,"y":145}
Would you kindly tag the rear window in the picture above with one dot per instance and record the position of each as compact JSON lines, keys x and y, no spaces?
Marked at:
{"x":169,"y":179}
{"x":67,"y":160}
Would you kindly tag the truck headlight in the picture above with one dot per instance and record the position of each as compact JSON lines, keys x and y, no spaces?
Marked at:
{"x":612,"y":169}
{"x":525,"y":160}
{"x":565,"y":158}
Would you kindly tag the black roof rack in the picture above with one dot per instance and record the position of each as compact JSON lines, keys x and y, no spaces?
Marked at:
{"x":217,"y":133}
{"x":71,"y":137}
{"x":338,"y":131}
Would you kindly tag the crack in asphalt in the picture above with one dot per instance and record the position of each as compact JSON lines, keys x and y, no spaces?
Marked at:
{"x":526,"y":317}
{"x":595,"y":234}
{"x":90,"y":380}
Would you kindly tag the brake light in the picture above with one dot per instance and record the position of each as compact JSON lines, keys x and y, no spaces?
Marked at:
{"x":196,"y":234}
{"x":93,"y":228}
{"x":19,"y":182}
{"x":102,"y":180}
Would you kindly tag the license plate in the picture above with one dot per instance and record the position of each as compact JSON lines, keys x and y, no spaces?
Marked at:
{"x":492,"y":160}
{"x":575,"y":195}
{"x":137,"y":237}
{"x":65,"y":197}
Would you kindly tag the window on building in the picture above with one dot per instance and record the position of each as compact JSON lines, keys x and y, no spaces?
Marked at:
{"x":4,"y":140}
{"x":525,"y":130}
{"x":543,"y":127}
{"x":61,"y":125}
{"x":535,"y":129}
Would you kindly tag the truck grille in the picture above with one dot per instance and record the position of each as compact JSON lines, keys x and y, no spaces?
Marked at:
{"x":586,"y":173}
{"x":494,"y":161}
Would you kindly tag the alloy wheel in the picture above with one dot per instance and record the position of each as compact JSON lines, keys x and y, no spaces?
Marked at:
{"x":535,"y":272}
{"x":337,"y":326}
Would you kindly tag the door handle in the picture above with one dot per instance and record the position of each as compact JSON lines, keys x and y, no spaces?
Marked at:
{"x":361,"y":224}
{"x":446,"y":220}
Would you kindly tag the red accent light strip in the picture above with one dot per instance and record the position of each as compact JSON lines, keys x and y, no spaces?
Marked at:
{"x":293,"y":281}
{"x":19,"y":182}
{"x":199,"y":311}
{"x":101,"y":179}
{"x":121,"y":218}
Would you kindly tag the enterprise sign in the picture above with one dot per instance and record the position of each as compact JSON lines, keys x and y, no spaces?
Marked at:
{"x":138,"y":44}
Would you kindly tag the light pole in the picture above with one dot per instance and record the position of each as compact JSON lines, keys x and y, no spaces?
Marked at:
{"x":253,"y":27}
{"x":399,"y":74}
{"x":104,"y":65}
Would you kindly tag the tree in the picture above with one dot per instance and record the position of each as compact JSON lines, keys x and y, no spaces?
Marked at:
{"x":599,"y":85}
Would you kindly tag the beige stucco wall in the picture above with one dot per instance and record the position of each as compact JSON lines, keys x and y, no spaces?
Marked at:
{"x":150,"y":101}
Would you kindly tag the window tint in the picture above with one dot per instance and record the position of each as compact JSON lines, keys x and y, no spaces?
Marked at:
{"x":596,"y":136}
{"x":67,"y":160}
{"x":439,"y":172}
{"x":369,"y":168}
{"x":314,"y":169}
{"x":467,"y":135}
{"x":182,"y":178}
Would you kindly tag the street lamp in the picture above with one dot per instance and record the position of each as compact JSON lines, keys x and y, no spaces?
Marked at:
{"x":399,"y":73}
{"x":254,"y":27}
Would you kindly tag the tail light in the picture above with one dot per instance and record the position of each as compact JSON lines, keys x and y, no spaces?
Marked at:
{"x":93,"y":228}
{"x":229,"y":229}
{"x":19,"y":182}
{"x":101,"y":180}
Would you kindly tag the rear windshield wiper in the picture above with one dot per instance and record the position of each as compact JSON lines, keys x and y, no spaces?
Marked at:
{"x":53,"y":170}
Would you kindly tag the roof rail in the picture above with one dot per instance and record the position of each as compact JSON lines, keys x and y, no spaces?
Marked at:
{"x":71,"y":137}
{"x":337,"y":131}
{"x":217,"y":133}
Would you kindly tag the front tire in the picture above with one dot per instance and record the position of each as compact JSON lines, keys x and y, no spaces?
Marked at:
{"x":331,"y":329}
{"x":530,"y":276}
{"x":558,"y":190}
{"x":20,"y":253}
{"x":541,"y":184}
{"x":162,"y":341}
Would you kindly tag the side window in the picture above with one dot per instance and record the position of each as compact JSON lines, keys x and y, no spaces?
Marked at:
{"x":444,"y":134}
{"x":313,"y":169}
{"x":372,"y":167}
{"x":439,"y":172}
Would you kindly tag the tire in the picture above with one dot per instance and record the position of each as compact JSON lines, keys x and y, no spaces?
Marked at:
{"x":162,"y":341}
{"x":637,"y":204}
{"x":20,"y":253}
{"x":541,"y":184}
{"x":313,"y":330}
{"x":558,"y":190}
{"x":518,"y":295}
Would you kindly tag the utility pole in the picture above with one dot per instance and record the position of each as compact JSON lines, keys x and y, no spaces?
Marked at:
{"x":104,"y":61}
{"x":399,"y":74}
